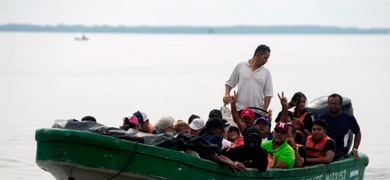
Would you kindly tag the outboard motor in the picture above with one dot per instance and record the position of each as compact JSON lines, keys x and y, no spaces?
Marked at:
{"x":320,"y":105}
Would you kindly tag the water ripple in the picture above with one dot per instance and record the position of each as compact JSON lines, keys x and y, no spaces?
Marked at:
{"x":377,"y":173}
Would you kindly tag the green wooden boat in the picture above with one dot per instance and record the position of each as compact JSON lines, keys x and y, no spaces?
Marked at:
{"x":79,"y":155}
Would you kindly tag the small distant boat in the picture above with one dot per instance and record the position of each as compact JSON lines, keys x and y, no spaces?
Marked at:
{"x":82,"y":38}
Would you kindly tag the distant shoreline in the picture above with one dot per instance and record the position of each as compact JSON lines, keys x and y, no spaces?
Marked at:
{"x":298,"y":29}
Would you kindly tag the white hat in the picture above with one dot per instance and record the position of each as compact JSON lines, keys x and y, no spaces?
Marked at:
{"x":197,"y":124}
{"x":142,"y":117}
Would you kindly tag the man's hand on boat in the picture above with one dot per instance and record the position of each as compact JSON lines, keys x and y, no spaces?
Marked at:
{"x":234,"y":165}
{"x":229,"y":163}
{"x":355,"y":153}
{"x":240,"y":166}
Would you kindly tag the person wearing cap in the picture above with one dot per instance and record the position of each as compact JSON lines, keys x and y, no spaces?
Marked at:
{"x":264,"y":126}
{"x":244,"y":120}
{"x":192,"y":117}
{"x":254,"y":81}
{"x":283,"y":154}
{"x":298,"y":136}
{"x":130,"y":122}
{"x":215,"y":130}
{"x":251,"y":154}
{"x":143,"y":121}
{"x":320,"y":148}
{"x":215,"y":113}
{"x":196,"y":126}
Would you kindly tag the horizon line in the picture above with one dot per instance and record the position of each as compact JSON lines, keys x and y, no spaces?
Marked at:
{"x":199,"y":26}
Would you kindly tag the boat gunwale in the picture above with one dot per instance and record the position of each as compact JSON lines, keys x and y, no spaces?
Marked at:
{"x":98,"y":140}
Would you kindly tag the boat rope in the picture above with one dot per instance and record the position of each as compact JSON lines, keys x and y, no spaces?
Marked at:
{"x":128,"y":162}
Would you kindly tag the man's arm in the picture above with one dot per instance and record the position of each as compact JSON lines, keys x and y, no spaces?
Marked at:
{"x":329,"y":155}
{"x":286,"y":159}
{"x":229,"y":163}
{"x":330,"y":149}
{"x":356,"y":143}
{"x":226,"y":98}
{"x":298,"y":159}
{"x":236,"y":117}
{"x":280,"y":164}
{"x":284,"y":103}
{"x":267,"y":101}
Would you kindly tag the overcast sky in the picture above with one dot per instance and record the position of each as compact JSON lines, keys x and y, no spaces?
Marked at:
{"x":343,"y":13}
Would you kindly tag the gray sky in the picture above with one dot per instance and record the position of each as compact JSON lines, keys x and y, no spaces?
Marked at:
{"x":343,"y":13}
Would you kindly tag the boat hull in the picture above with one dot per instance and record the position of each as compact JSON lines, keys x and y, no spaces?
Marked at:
{"x":73,"y":154}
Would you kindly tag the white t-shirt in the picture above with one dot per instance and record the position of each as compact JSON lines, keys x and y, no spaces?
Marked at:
{"x":253,"y":86}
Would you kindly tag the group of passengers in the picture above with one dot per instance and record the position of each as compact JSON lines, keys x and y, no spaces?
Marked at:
{"x":245,"y":140}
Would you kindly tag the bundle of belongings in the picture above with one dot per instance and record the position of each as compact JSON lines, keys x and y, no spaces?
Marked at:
{"x":177,"y":141}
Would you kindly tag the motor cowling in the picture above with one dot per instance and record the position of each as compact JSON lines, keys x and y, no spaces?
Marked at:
{"x":320,"y":105}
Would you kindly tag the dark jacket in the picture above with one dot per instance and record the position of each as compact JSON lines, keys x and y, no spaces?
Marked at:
{"x":251,"y":153}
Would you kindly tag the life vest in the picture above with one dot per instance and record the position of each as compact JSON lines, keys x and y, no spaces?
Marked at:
{"x":271,"y":160}
{"x":301,"y":118}
{"x":316,"y":150}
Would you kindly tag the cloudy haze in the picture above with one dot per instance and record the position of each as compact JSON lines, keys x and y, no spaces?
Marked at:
{"x":363,"y":13}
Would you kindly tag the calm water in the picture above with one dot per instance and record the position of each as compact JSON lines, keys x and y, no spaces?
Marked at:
{"x":44,"y":77}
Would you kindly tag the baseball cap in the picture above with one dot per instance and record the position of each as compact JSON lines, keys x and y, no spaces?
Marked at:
{"x":215,"y":113}
{"x":130,"y":119}
{"x":254,"y":134}
{"x":197,"y":124}
{"x":192,"y":117}
{"x":263,"y":119}
{"x":247,"y":112}
{"x":142,"y":117}
{"x":282,"y":126}
{"x":216,"y":123}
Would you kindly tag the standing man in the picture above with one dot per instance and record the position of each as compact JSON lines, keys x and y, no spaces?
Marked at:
{"x":338,"y":126}
{"x":254,"y":82}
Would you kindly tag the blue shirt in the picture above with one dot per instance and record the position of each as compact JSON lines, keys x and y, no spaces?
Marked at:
{"x":338,"y":128}
{"x":213,"y":139}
